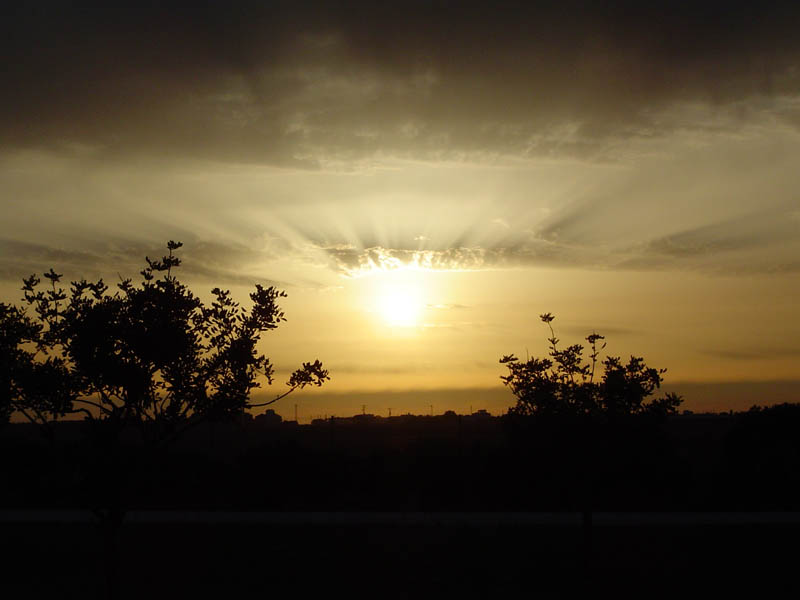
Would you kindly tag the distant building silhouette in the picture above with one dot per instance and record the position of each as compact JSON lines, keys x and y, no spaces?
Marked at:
{"x":269,"y":418}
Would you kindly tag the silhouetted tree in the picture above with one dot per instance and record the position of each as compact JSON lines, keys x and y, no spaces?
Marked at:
{"x":150,"y":358}
{"x":578,"y":426}
{"x":565,"y":384}
{"x":38,"y":389}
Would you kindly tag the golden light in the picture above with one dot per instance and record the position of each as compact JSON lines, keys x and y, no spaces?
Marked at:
{"x":400,"y":305}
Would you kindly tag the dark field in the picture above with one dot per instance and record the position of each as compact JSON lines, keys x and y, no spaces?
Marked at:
{"x":746,"y":462}
{"x":412,"y":469}
{"x":392,"y":561}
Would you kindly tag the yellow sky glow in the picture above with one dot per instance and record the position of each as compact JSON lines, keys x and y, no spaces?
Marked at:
{"x":422,"y":199}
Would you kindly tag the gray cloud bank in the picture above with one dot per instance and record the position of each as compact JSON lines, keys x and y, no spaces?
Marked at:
{"x":762,"y":242}
{"x":316,"y":84}
{"x":676,"y":126}
{"x":218,"y":264}
{"x":766,"y":241}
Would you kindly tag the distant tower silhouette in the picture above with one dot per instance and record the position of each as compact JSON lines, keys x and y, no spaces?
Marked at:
{"x":390,"y":413}
{"x":431,"y":409}
{"x":363,"y":409}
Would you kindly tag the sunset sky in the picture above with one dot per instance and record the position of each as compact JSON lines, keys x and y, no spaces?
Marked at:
{"x":424,"y":180}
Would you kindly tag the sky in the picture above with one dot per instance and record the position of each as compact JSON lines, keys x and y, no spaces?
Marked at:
{"x":425,"y":179}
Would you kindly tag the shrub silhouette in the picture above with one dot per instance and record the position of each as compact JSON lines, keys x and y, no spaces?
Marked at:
{"x":37,"y":389}
{"x":565,"y":384}
{"x":151,"y":356}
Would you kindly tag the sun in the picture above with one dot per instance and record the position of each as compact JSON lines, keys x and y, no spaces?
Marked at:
{"x":400,"y":305}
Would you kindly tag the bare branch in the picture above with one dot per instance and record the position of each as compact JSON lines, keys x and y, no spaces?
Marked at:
{"x":279,"y":397}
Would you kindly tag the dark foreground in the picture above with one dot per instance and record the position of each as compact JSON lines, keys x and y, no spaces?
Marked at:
{"x":379,"y":482}
{"x":448,"y":558}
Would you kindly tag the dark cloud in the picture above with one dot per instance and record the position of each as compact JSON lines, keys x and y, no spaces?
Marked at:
{"x":755,"y":353}
{"x":744,"y":233}
{"x":299,"y":84}
{"x":734,"y":395}
{"x":759,"y":242}
{"x":205,"y":262}
{"x":353,"y":261}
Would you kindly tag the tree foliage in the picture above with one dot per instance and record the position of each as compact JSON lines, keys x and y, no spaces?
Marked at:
{"x":40,"y":388}
{"x":565,"y":384}
{"x":150,"y":354}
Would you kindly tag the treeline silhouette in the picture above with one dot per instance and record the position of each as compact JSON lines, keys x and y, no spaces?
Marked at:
{"x":698,"y":462}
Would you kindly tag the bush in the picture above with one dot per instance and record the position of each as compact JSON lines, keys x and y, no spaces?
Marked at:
{"x":152,"y":355}
{"x":565,"y":384}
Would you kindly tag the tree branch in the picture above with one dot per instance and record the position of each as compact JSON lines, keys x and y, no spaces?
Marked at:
{"x":280,"y":397}
{"x":106,"y":398}
{"x":83,"y":410}
{"x":26,"y":415}
{"x":95,"y":404}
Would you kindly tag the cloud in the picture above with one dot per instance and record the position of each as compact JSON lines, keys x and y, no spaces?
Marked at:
{"x":305,"y":85}
{"x":765,"y":240}
{"x":447,"y":306}
{"x":203,"y":262}
{"x":755,"y":353}
{"x":355,"y":262}
{"x":460,"y":137}
{"x":761,"y":243}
